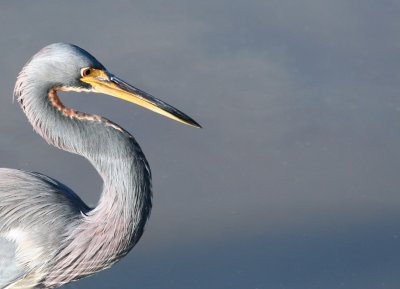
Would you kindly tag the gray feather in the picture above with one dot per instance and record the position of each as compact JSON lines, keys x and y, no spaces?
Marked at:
{"x":48,"y":236}
{"x":9,"y":270}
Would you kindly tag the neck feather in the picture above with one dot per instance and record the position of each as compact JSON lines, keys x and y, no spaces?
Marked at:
{"x":110,"y":230}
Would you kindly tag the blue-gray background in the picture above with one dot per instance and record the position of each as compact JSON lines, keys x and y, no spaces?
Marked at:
{"x":294,"y":182}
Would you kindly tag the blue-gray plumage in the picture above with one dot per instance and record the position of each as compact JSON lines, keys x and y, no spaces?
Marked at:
{"x":48,"y":236}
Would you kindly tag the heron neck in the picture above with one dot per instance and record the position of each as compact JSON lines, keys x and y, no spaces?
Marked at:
{"x":125,"y":202}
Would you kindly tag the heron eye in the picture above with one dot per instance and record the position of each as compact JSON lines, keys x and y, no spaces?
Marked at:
{"x":86,"y":71}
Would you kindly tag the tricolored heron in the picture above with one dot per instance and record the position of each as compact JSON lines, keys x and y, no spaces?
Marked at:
{"x":48,"y":235}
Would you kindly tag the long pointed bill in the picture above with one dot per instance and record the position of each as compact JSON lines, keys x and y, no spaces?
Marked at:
{"x":104,"y":82}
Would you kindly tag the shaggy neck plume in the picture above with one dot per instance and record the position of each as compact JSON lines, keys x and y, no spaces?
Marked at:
{"x":117,"y":223}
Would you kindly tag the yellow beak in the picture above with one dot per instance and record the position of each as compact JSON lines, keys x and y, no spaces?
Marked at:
{"x":104,"y":82}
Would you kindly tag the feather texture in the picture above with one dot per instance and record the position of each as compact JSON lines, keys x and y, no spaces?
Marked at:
{"x":48,"y":236}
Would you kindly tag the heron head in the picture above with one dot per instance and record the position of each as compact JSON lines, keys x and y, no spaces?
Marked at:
{"x":69,"y":67}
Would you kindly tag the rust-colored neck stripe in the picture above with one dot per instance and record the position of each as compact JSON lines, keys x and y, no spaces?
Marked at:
{"x":66,"y":111}
{"x":73,"y":114}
